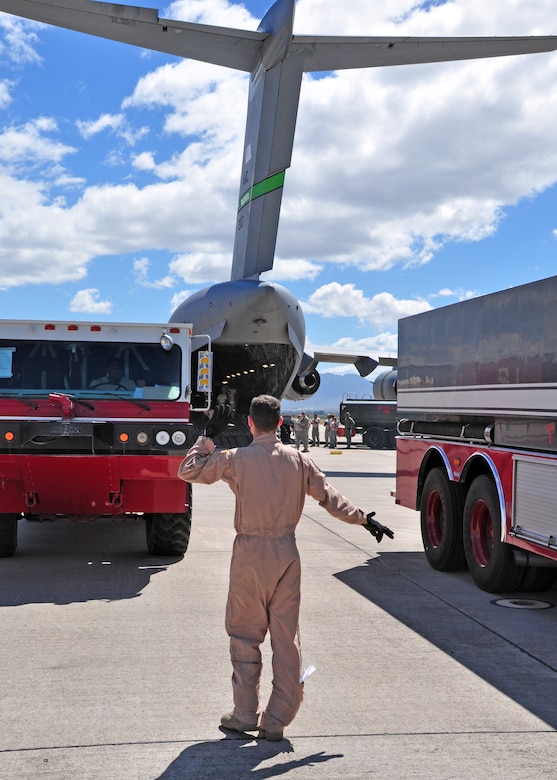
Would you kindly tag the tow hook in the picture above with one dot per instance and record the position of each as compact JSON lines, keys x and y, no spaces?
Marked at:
{"x":115,"y":498}
{"x":66,"y":403}
{"x":31,"y":499}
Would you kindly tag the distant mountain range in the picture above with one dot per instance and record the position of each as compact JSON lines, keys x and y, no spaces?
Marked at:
{"x":333,"y":389}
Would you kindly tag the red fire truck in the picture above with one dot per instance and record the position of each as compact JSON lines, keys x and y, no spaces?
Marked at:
{"x":477,"y":451}
{"x":94,"y":421}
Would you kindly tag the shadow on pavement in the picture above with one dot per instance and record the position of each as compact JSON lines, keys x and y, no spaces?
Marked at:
{"x":238,"y":757}
{"x":55,"y":580}
{"x":513,"y":650}
{"x":65,"y":563}
{"x":355,"y":474}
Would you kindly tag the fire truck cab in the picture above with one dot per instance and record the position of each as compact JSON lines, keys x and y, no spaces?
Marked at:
{"x":94,"y":421}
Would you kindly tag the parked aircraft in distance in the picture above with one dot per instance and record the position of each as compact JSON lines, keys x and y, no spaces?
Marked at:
{"x":257,"y":328}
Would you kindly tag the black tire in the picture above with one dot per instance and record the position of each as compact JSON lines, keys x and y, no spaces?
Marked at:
{"x":441,"y":522}
{"x":536,"y":579}
{"x":168,"y":533}
{"x":8,"y":535}
{"x":490,"y":561}
{"x":373,"y":438}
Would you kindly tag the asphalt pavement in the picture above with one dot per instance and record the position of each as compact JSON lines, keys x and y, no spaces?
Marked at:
{"x":115,"y":663}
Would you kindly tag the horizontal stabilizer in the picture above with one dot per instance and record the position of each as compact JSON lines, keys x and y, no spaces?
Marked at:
{"x":238,"y":49}
{"x":337,"y":53}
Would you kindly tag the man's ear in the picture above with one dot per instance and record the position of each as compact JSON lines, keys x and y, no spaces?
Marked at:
{"x":279,"y":422}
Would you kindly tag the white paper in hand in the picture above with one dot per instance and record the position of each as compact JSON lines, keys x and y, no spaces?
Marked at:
{"x":306,"y":673}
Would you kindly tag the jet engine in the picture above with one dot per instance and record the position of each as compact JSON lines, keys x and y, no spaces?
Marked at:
{"x":385,"y":385}
{"x":303,"y":386}
{"x":307,"y":380}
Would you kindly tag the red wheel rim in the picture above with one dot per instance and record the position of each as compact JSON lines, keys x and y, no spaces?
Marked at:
{"x":434,"y":519}
{"x":481,"y":533}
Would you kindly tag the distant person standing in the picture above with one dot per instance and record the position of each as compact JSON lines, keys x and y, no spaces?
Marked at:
{"x":348,"y":426}
{"x":333,"y":430}
{"x":315,"y":423}
{"x":297,"y":432}
{"x":327,"y":427}
{"x":303,"y":425}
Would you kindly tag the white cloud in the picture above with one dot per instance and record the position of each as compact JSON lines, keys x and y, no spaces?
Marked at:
{"x":407,"y":160}
{"x":115,"y":123}
{"x":284,"y":270}
{"x":179,"y":298}
{"x":29,"y":143}
{"x":383,"y":344}
{"x":460,"y":294}
{"x":144,"y":161}
{"x":344,"y":300}
{"x":200,"y":100}
{"x":87,"y":302}
{"x":217,"y":12}
{"x":5,"y":96}
{"x":201,"y":267}
{"x":18,"y":40}
{"x":104,"y":122}
{"x":141,"y":270}
{"x":472,"y":17}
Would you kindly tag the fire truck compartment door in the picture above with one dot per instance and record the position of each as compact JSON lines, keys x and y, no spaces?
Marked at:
{"x":534,"y":509}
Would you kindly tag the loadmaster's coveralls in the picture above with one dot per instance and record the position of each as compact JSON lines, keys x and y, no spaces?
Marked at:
{"x":270,"y":482}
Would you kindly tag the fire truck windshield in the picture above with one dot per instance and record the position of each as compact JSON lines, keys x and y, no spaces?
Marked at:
{"x":89,"y":370}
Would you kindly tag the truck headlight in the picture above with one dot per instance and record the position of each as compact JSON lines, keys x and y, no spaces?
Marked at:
{"x":178,"y":438}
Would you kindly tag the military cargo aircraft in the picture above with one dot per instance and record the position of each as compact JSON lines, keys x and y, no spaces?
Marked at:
{"x":257,"y":328}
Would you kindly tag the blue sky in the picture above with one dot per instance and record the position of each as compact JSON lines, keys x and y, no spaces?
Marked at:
{"x":409,"y":188}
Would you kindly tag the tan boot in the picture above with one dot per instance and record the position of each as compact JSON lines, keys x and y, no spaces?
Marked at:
{"x":271,"y":736}
{"x":230,"y":721}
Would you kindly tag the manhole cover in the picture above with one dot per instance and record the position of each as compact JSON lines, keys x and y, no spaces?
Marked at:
{"x":523,"y":604}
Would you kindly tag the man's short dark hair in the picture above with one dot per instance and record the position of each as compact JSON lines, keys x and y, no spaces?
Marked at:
{"x":264,"y":410}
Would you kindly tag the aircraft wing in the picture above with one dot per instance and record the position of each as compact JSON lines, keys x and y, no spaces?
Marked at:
{"x":363,"y":363}
{"x":238,"y":49}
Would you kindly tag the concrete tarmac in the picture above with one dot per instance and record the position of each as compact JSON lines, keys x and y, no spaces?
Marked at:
{"x":115,"y":663}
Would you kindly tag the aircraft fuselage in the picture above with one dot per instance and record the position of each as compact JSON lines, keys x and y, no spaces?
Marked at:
{"x":257,"y":331}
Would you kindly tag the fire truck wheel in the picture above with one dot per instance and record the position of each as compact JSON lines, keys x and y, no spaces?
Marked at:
{"x":8,"y":535}
{"x":538,"y":578}
{"x":441,"y":522}
{"x":373,"y":438}
{"x":490,"y":560}
{"x":168,"y":534}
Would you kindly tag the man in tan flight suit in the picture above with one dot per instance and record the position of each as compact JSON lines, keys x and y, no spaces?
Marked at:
{"x":270,"y":482}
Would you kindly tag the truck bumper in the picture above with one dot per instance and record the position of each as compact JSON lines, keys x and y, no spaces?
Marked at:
{"x":91,"y":484}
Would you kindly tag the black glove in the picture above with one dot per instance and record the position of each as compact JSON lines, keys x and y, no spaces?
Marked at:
{"x":376,"y":529}
{"x":220,"y":420}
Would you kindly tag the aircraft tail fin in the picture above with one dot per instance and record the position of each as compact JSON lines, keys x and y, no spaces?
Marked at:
{"x":272,"y":110}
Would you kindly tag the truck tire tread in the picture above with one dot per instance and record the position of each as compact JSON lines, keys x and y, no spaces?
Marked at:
{"x":441,"y":509}
{"x":490,"y":560}
{"x":168,"y":533}
{"x":8,"y":535}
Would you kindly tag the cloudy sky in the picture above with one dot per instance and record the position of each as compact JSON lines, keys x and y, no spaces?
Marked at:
{"x":410,"y":187}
